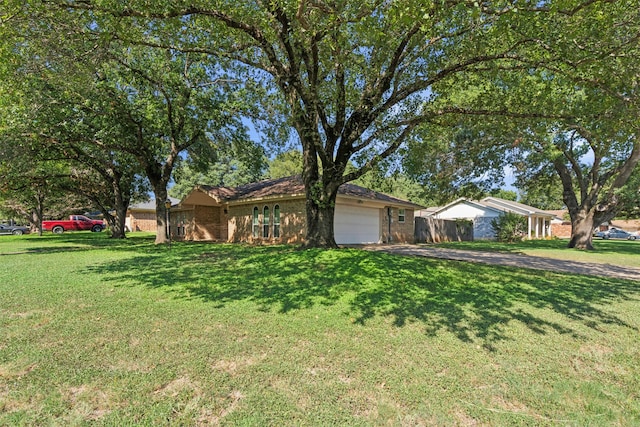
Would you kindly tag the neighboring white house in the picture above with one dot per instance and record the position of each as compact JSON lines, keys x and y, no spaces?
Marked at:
{"x":482,"y":212}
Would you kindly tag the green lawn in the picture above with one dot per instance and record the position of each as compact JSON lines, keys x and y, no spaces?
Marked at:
{"x":615,"y":252}
{"x":94,"y":331}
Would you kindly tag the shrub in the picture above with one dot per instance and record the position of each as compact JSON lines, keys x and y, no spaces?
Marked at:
{"x":510,"y":227}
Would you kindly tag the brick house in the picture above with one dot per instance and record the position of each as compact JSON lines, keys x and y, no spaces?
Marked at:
{"x":142,"y":216}
{"x":273,"y":211}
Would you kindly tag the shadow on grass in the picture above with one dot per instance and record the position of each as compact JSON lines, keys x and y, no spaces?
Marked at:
{"x":72,"y":241}
{"x":623,"y":247}
{"x":472,"y":301}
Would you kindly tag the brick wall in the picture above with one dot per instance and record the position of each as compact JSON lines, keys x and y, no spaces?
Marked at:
{"x":561,"y":230}
{"x":143,"y":221}
{"x":401,"y":232}
{"x":202,"y":223}
{"x":292,"y":222}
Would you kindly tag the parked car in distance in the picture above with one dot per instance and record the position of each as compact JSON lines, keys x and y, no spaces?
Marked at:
{"x":16,"y":230}
{"x":75,"y":222}
{"x":615,"y":233}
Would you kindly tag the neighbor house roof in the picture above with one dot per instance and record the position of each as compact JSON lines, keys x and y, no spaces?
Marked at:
{"x":426,"y":212}
{"x":495,"y":204}
{"x":475,"y":203}
{"x":515,"y":207}
{"x":291,"y":186}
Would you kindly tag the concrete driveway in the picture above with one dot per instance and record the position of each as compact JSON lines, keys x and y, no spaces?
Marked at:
{"x":513,"y":260}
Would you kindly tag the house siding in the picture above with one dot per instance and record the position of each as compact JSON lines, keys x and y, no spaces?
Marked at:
{"x":466,"y":211}
{"x":482,"y":228}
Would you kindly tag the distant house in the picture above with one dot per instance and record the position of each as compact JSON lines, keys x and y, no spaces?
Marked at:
{"x":142,"y":216}
{"x":560,"y":224}
{"x":561,"y":227}
{"x":273,"y":211}
{"x":482,"y":212}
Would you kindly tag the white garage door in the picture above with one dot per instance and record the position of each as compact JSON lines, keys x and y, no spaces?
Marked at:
{"x":356,"y":224}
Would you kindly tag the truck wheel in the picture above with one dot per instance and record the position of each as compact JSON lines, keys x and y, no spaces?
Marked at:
{"x":57,"y":229}
{"x":17,"y":232}
{"x":96,"y":228}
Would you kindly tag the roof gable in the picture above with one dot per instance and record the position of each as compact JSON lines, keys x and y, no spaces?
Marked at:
{"x":466,"y":201}
{"x":514,"y":206}
{"x":495,"y":204}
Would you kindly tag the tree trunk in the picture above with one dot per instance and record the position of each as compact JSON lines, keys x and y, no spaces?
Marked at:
{"x":39,"y":213}
{"x":320,"y":225}
{"x":321,"y":192}
{"x":160,"y":192}
{"x":36,"y":220}
{"x":582,"y":226}
{"x":118,"y":223}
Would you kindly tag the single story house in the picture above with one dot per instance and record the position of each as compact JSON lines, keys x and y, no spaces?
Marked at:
{"x":482,"y":212}
{"x":273,"y":211}
{"x":142,"y":216}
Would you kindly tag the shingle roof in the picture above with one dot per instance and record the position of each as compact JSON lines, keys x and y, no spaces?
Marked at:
{"x":291,"y":186}
{"x":495,"y":204}
{"x":218,"y":193}
{"x":513,"y":206}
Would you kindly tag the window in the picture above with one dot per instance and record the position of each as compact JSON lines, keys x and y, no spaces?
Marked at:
{"x":401,"y":215}
{"x":276,"y":221}
{"x":180,"y":219}
{"x":256,"y":222}
{"x":265,"y":222}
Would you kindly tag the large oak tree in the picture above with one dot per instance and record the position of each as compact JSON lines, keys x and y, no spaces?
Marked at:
{"x":357,"y":77}
{"x":102,"y":102}
{"x":572,"y":117}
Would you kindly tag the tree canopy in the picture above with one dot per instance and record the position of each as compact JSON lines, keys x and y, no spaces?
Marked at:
{"x":460,"y":89}
{"x":358,"y":78}
{"x":569,"y":115}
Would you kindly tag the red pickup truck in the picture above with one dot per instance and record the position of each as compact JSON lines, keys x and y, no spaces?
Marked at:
{"x":75,"y":222}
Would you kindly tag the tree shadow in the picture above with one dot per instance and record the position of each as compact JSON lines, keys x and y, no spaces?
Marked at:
{"x":474,"y":302}
{"x":623,"y":247}
{"x":76,"y":241}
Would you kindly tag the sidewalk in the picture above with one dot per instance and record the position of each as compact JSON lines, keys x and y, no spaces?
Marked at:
{"x":512,"y":260}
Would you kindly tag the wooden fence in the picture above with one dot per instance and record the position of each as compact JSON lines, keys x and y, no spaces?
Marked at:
{"x":431,"y":230}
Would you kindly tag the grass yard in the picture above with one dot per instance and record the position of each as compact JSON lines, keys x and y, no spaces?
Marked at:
{"x":615,"y":252}
{"x":101,"y":332}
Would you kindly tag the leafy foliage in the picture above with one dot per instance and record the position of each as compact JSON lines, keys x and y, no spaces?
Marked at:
{"x":510,"y":227}
{"x":570,"y":116}
{"x":227,"y":171}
